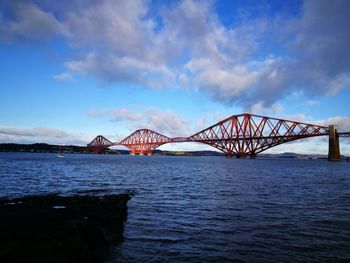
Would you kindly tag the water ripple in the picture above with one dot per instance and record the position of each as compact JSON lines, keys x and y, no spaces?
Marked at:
{"x":208,"y":209}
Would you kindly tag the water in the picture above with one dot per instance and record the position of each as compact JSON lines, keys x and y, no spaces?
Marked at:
{"x":195,"y":209}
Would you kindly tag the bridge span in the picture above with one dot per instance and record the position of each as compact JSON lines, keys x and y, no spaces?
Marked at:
{"x":240,"y":136}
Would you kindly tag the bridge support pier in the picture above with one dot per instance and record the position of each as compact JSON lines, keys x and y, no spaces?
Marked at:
{"x":333,"y":146}
{"x":98,"y":150}
{"x":253,"y":156}
{"x":229,"y":155}
{"x":241,"y":155}
{"x":140,"y":152}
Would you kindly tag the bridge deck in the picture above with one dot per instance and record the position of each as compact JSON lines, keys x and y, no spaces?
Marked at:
{"x":241,"y":135}
{"x":344,"y":134}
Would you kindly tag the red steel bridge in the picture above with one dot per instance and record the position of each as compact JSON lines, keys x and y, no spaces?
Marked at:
{"x":243,"y":135}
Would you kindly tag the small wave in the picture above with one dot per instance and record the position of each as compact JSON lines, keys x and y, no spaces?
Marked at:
{"x":158,"y":239}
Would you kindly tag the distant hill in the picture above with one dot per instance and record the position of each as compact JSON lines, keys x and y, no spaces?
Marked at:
{"x":42,"y":147}
{"x":51,"y":148}
{"x":292,"y":155}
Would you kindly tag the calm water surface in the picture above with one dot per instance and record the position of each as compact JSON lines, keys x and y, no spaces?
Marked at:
{"x":195,"y":209}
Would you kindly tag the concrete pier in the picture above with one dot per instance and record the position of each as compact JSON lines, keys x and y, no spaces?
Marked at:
{"x":333,"y":147}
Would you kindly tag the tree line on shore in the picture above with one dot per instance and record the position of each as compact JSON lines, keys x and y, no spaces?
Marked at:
{"x":51,"y":148}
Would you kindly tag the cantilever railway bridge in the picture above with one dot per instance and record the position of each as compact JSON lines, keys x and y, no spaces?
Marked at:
{"x":237,"y":136}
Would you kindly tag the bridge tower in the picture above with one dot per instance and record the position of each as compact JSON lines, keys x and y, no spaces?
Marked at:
{"x":333,"y":146}
{"x":144,"y":141}
{"x":99,"y":144}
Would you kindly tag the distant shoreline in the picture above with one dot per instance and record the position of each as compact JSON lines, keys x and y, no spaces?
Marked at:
{"x":73,"y":149}
{"x":52,"y":148}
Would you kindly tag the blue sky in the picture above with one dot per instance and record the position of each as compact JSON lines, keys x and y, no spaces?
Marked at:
{"x":70,"y":70}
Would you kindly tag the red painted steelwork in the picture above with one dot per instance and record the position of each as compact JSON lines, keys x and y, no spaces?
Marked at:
{"x":99,"y":144}
{"x":239,"y":135}
{"x":144,"y":141}
{"x":247,"y":134}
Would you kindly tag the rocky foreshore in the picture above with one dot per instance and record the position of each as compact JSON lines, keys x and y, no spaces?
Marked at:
{"x":53,"y":228}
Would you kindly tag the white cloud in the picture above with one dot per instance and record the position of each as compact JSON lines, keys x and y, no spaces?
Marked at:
{"x":343,"y":122}
{"x":30,"y":23}
{"x":187,"y":146}
{"x":224,"y":84}
{"x":63,"y":76}
{"x":11,"y":134}
{"x":167,"y":121}
{"x":298,"y":117}
{"x":318,"y":61}
{"x":122,"y":44}
{"x":260,"y":108}
{"x":120,"y":114}
{"x":120,"y":26}
{"x":186,"y":44}
{"x":207,"y":120}
{"x":162,"y":121}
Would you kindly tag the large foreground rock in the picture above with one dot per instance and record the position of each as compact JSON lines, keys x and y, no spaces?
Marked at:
{"x":60,"y":229}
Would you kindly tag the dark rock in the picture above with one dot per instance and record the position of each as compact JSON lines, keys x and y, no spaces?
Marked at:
{"x":61,"y":229}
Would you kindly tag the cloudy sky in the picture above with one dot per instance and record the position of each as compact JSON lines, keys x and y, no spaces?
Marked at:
{"x":72,"y":69}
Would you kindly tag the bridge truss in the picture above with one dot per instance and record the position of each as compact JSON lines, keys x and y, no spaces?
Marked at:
{"x":144,"y":141}
{"x":344,"y":134}
{"x":99,"y":144}
{"x":239,"y":135}
{"x":248,"y":134}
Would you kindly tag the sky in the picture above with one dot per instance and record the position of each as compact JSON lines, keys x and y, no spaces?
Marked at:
{"x":73,"y":69}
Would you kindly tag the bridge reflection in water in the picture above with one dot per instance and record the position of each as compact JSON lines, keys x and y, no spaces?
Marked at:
{"x":240,"y":136}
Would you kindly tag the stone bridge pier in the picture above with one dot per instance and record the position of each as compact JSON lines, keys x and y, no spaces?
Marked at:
{"x":333,"y":146}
